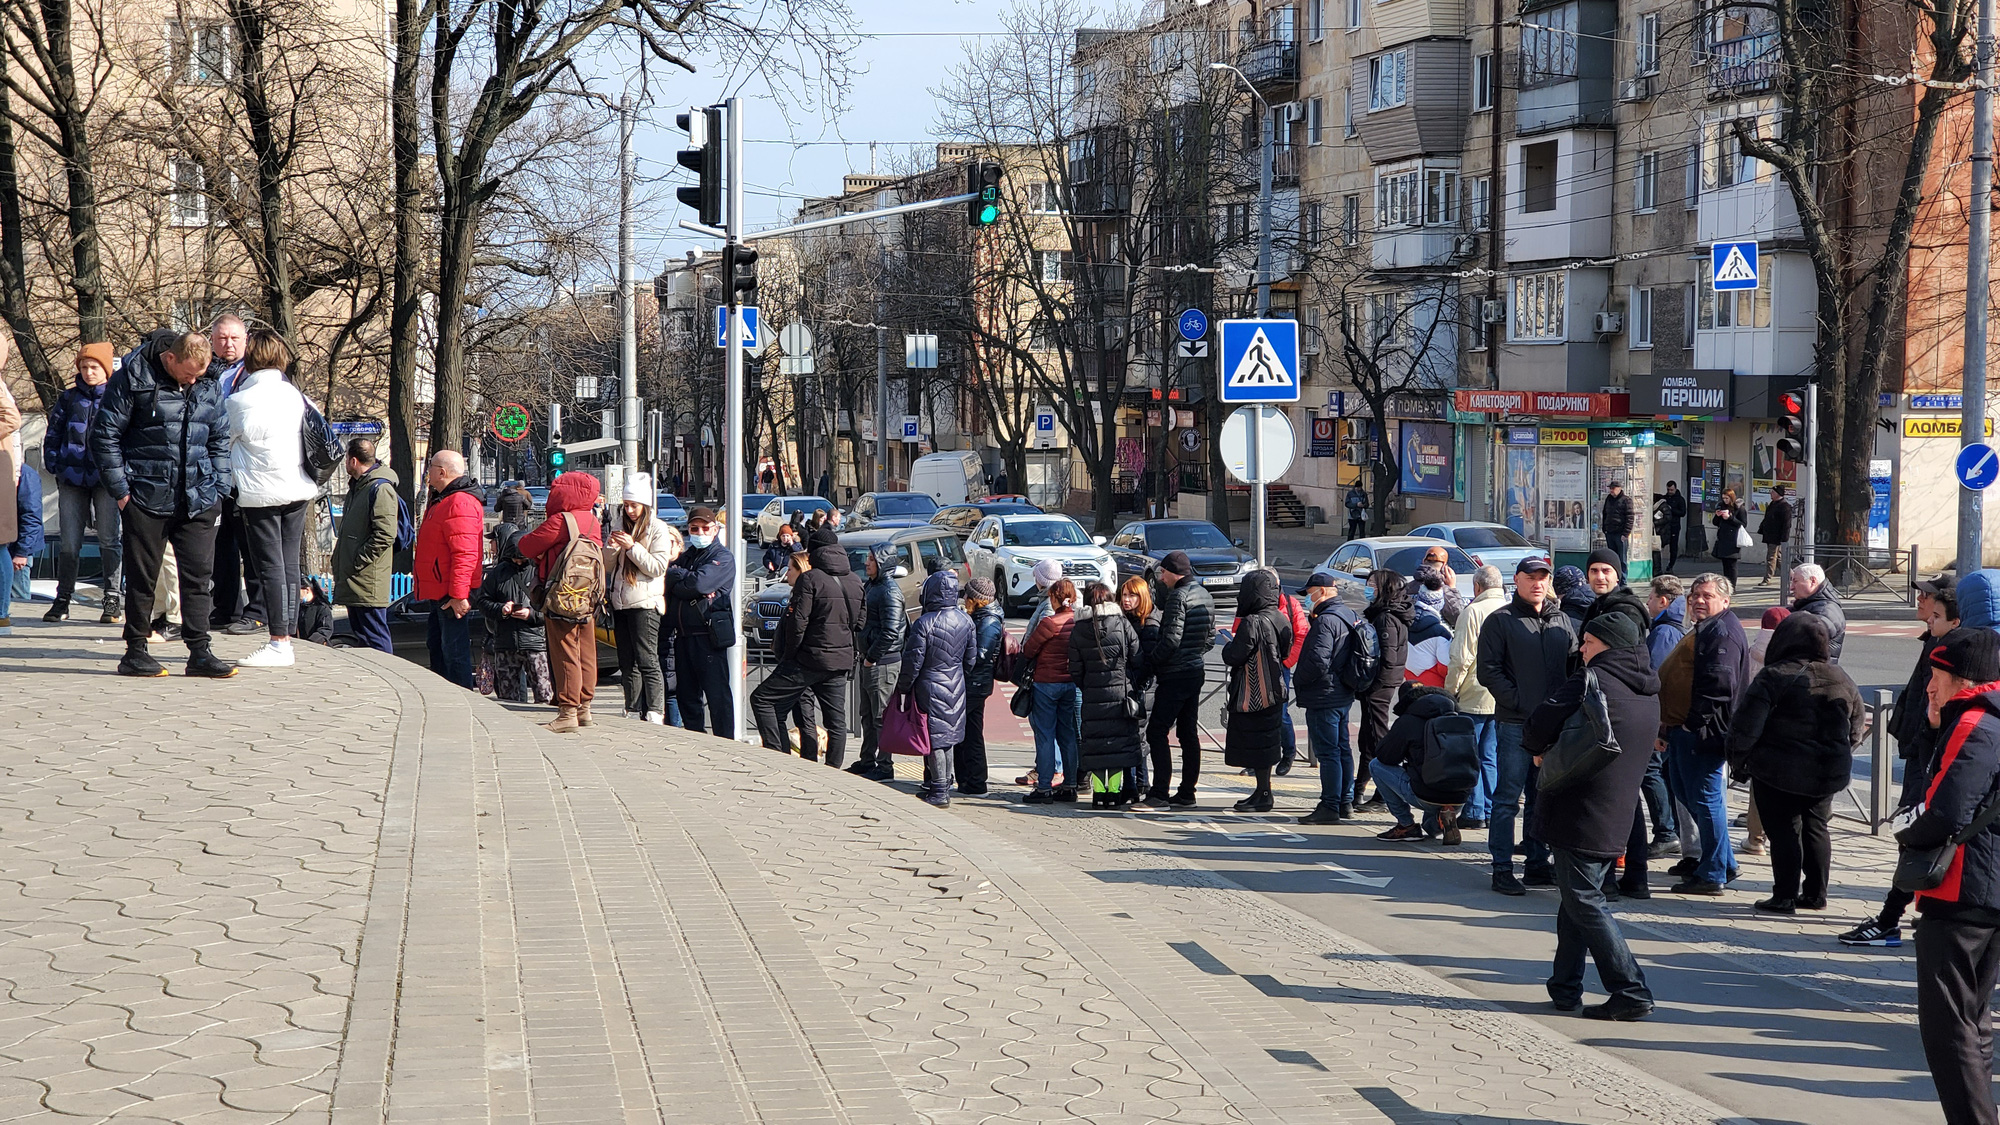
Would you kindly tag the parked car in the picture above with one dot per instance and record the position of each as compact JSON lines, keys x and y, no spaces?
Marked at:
{"x":672,"y":510}
{"x":1219,"y":562}
{"x":540,"y":495}
{"x":962,"y":518}
{"x":890,"y":509}
{"x":1355,"y":560}
{"x":949,"y":477}
{"x":753,"y":502}
{"x":1493,"y":543}
{"x":916,"y":547}
{"x":778,"y":510}
{"x":1006,"y":549}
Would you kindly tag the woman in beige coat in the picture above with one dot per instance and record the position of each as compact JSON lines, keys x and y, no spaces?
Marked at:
{"x":636,"y":554}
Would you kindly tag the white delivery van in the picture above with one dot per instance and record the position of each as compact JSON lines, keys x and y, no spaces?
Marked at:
{"x":949,"y":478}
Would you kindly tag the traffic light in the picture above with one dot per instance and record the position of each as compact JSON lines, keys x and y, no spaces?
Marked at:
{"x":555,"y":457}
{"x":982,"y":182}
{"x":704,"y":130}
{"x":1796,"y":444}
{"x":739,"y":274}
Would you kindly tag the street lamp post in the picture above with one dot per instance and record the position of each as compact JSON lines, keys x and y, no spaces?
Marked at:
{"x":1264,"y":172}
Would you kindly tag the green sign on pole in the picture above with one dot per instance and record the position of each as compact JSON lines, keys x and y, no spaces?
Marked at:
{"x":510,"y":422}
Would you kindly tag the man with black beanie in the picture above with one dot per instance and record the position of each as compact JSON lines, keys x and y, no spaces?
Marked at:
{"x":1179,"y":663}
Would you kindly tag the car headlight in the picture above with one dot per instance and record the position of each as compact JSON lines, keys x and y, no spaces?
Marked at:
{"x":1245,"y":567}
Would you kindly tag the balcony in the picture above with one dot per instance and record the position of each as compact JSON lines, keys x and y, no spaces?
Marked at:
{"x":1285,"y":166}
{"x":1431,"y":118}
{"x":1418,"y":247}
{"x":1271,"y":63}
{"x":1559,"y":198}
{"x":1747,"y":64}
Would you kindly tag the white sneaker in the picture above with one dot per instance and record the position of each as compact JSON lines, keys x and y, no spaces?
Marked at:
{"x":657,"y":718}
{"x":270,"y":656}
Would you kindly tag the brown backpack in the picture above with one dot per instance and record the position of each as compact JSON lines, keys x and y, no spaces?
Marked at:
{"x":575,"y":586}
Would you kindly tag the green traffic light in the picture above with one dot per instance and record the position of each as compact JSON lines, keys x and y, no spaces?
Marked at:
{"x":989,"y":213}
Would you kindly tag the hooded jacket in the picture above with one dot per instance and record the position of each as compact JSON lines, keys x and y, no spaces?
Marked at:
{"x":364,"y":551}
{"x":1822,"y":604}
{"x":1575,"y":595}
{"x":1979,"y":600}
{"x":1721,"y":673}
{"x":1909,"y":720}
{"x":1966,"y":779}
{"x":66,"y":449}
{"x":1403,"y":746}
{"x":1593,"y":818}
{"x":1102,"y":649}
{"x":991,"y":626}
{"x":1666,"y":631}
{"x":938,"y":659}
{"x":1317,"y":681}
{"x":1429,"y":657}
{"x":266,"y":451}
{"x":1801,"y":718}
{"x":883,"y":630}
{"x":1187,"y":629}
{"x":1776,"y":526}
{"x":510,"y":579}
{"x":1461,"y":679}
{"x":1618,"y":599}
{"x":1523,"y":656}
{"x":450,"y":543}
{"x":164,"y":446}
{"x":1254,"y":737}
{"x":513,"y":506}
{"x":821,"y":629}
{"x":574,"y":494}
{"x":1392,"y":615}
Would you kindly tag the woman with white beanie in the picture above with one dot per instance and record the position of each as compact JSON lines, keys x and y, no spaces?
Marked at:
{"x":267,"y":464}
{"x":635,"y":566}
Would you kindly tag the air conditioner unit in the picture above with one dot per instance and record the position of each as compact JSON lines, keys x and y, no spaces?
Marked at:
{"x":1293,"y":111}
{"x":1465,"y":245}
{"x":1493,"y":312}
{"x":1609,"y":323}
{"x":1636,"y":89}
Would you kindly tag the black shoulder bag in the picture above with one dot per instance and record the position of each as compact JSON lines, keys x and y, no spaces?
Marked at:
{"x":1925,"y":869}
{"x":1586,"y":745}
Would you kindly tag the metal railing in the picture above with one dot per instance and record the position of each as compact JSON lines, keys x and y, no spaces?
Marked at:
{"x":1858,"y":573}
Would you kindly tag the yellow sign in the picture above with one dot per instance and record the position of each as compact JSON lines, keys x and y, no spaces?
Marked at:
{"x":1936,"y":426}
{"x":1553,"y":436}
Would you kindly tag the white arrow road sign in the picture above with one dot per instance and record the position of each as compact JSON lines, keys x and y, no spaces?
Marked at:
{"x":1248,"y":830}
{"x":1358,"y":879}
{"x":1194,"y":349}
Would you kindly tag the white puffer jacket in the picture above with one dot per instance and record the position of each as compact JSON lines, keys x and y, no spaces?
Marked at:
{"x":266,"y":455}
{"x":636,"y":577}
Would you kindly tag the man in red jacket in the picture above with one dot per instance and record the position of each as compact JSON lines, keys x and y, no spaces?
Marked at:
{"x":450,"y":546}
{"x":572,"y":644}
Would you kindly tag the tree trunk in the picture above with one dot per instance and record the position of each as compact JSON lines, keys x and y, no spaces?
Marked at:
{"x":1103,"y":473}
{"x":1382,"y":481}
{"x":272,"y":156}
{"x":79,"y":172}
{"x":16,"y":305}
{"x":406,"y":308}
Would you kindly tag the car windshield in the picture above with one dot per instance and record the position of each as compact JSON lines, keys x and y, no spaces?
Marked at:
{"x":669,"y":500}
{"x":1185,"y":537}
{"x":1045,"y":533}
{"x":857,"y":559}
{"x":905,"y":506}
{"x":1473,"y":538}
{"x":1406,"y":560}
{"x":805,"y":504}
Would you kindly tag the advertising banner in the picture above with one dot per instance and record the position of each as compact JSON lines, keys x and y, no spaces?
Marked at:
{"x":1524,"y":506}
{"x":1565,"y":518}
{"x":1426,"y":455}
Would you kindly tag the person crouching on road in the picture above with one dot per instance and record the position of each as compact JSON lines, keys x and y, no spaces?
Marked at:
{"x":267,"y":463}
{"x":517,"y":636}
{"x":981,"y":604}
{"x":816,"y":645}
{"x":937,"y":663}
{"x":635,"y":567}
{"x":1402,"y":764}
{"x":572,"y":644}
{"x":1255,"y":656}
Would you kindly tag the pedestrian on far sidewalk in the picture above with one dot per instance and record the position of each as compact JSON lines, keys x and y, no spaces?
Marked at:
{"x":635,"y":568}
{"x":883,"y":630}
{"x":1697,"y":750}
{"x":1524,"y":650}
{"x":1811,"y":594}
{"x":364,"y":551}
{"x":1670,"y":511}
{"x":942,"y":648}
{"x":1357,"y":512}
{"x":81,"y":495}
{"x":1729,"y":519}
{"x":565,"y":548}
{"x":514,"y":506}
{"x":28,"y":541}
{"x":267,"y":465}
{"x":450,"y":547}
{"x":1776,"y":531}
{"x":1616,"y":522}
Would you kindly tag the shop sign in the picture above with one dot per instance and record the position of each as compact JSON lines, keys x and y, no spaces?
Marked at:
{"x":1582,"y":403}
{"x":1522,"y":435}
{"x":1427,"y":459}
{"x":1680,"y":393}
{"x":1565,"y":402}
{"x":1566,"y":435}
{"x":1937,"y":402}
{"x":1325,"y":438}
{"x":1940,"y":427}
{"x":1426,"y":408}
{"x":1621,"y":439}
{"x":1491,"y":402}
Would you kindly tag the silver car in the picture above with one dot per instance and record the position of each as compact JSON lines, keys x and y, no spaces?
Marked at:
{"x":1355,"y":560}
{"x":1493,"y":544}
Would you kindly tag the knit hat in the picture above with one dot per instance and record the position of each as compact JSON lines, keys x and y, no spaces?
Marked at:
{"x":1618,"y":630}
{"x":1047,"y":573}
{"x":1568,"y":578}
{"x":821,"y":537}
{"x":1609,"y":558}
{"x":1969,"y":654}
{"x":1773,"y":616}
{"x":101,"y":352}
{"x":1176,"y":562}
{"x":639,"y":489}
{"x":980,"y":588}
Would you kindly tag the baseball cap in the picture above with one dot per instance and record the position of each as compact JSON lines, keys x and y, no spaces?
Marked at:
{"x":1320,"y":578}
{"x":1531,"y":564}
{"x":1944,"y":583}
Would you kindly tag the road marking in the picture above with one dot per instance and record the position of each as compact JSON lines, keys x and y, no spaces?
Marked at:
{"x":1355,"y":877}
{"x":1246,"y":830}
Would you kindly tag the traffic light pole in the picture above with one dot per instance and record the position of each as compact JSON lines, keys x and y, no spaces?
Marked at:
{"x":1972,"y":392}
{"x":628,"y":315}
{"x":1809,"y":487}
{"x":733,"y":475}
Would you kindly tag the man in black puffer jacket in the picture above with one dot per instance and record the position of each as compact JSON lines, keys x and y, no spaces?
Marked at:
{"x":882,"y":631}
{"x":817,"y":641}
{"x":1811,"y":594}
{"x":161,"y":443}
{"x":1588,"y":823}
{"x":1605,"y":575}
{"x":1179,"y":664}
{"x":1524,"y":652}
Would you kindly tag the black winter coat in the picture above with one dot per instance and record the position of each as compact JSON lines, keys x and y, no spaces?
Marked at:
{"x":1263,"y":634}
{"x":509,"y":581}
{"x":991,"y":637}
{"x":885,"y":624}
{"x":1405,"y":739}
{"x":163,"y":445}
{"x":1148,"y":632}
{"x":1524,"y":656}
{"x":821,"y":629}
{"x":1187,"y":629}
{"x":1801,"y":718}
{"x":1822,"y":604}
{"x":1721,"y":673}
{"x":1909,"y":720}
{"x":1728,"y":520}
{"x":1619,"y":599}
{"x":1316,"y":680}
{"x":1102,"y":647}
{"x":1593,"y":818}
{"x":513,"y":506}
{"x":1966,"y":779}
{"x":1617,"y":519}
{"x":1776,"y":526}
{"x":938,"y":659}
{"x":1392,"y":617}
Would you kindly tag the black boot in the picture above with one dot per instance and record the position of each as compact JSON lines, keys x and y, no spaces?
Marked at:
{"x":202,"y":662}
{"x":114,"y":610}
{"x":59,"y":611}
{"x":139,"y":662}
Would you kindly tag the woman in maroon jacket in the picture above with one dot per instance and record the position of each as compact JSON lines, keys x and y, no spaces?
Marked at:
{"x":572,"y":644}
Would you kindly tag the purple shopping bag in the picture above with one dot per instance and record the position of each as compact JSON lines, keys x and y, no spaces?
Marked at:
{"x":905,"y":727}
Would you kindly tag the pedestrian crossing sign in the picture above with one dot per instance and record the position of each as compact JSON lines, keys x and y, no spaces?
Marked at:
{"x":1260,"y":361}
{"x":1734,"y":266}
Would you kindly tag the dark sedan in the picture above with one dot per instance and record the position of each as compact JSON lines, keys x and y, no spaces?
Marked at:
{"x":1219,"y":562}
{"x":890,"y":509}
{"x":962,"y":518}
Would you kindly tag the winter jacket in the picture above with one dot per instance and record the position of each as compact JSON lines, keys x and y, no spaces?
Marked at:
{"x":1102,"y":650}
{"x":1822,"y":604}
{"x":1430,"y":650}
{"x":1728,"y":520}
{"x":1523,"y":656}
{"x":1047,"y":647}
{"x":1801,"y":717}
{"x":1776,"y":527}
{"x":1148,"y":632}
{"x":573,"y":494}
{"x":1666,"y":631}
{"x":510,"y":579}
{"x":513,"y":507}
{"x":450,"y":543}
{"x":29,"y":541}
{"x":1593,"y":817}
{"x":1392,"y":617}
{"x":1967,"y":778}
{"x":696,"y":582}
{"x":1619,"y":599}
{"x":821,"y":629}
{"x":992,"y":639}
{"x":1295,"y":612}
{"x":164,"y":446}
{"x":1575,"y":595}
{"x":1187,"y":630}
{"x":885,"y":621}
{"x":1414,"y":711}
{"x":1255,"y":738}
{"x":1909,"y":720}
{"x":364,"y":552}
{"x":1671,"y":510}
{"x":66,"y":448}
{"x":1721,"y":673}
{"x":938,"y":658}
{"x":266,"y":452}
{"x":1461,"y":679}
{"x":315,"y":623}
{"x":777,"y":558}
{"x":1616,"y":522}
{"x":1442,"y":599}
{"x":1676,"y":684}
{"x":1979,"y":600}
{"x":1317,"y":681}
{"x":635,"y":577}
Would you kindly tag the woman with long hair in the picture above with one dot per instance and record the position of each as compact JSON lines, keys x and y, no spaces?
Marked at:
{"x":267,"y":462}
{"x":635,"y":567}
{"x":1057,"y":716}
{"x":1135,"y":598}
{"x":1729,"y":518}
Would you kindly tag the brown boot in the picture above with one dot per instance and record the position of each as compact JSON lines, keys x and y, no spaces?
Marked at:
{"x":564,"y":722}
{"x":583,"y":715}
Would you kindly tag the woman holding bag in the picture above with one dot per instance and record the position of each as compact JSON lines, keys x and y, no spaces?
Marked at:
{"x":937,"y":664}
{"x":1729,"y":521}
{"x":1256,"y":660}
{"x":1058,"y":715}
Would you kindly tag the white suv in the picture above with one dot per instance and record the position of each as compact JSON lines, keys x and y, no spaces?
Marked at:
{"x":1006,"y":549}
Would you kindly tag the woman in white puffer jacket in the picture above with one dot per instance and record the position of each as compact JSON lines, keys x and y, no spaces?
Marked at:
{"x":267,"y":463}
{"x":636,"y":554}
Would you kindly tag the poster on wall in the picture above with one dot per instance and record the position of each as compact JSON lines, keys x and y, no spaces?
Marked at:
{"x":1767,"y":468}
{"x":1458,"y":474}
{"x":1426,"y":455}
{"x":1564,"y":519}
{"x":1733,"y":480}
{"x":1523,"y":492}
{"x":1878,"y":507}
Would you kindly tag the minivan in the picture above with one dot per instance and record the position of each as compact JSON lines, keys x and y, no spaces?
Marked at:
{"x":949,"y":478}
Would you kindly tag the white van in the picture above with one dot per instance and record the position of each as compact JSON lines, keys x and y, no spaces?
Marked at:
{"x":949,"y":478}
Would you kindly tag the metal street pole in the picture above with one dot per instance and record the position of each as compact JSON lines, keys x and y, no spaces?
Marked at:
{"x":1972,"y":423}
{"x":628,"y":316}
{"x":1809,"y":524}
{"x":732,"y":496}
{"x":882,"y":370}
{"x":1264,"y":174}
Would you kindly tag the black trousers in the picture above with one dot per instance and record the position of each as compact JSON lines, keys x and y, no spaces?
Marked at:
{"x":146,"y":539}
{"x":1176,"y":706}
{"x":970,"y":755}
{"x":703,"y":674}
{"x":638,"y":632}
{"x":270,"y":547}
{"x":778,"y":696}
{"x":235,"y":570}
{"x":1728,"y":567}
{"x":1799,"y":841}
{"x":1958,"y":961}
{"x":1670,"y":542}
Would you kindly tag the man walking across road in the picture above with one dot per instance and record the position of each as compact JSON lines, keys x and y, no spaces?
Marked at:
{"x":1811,"y":594}
{"x":883,"y":627}
{"x":817,"y":641}
{"x":364,"y":553}
{"x":161,"y":443}
{"x":450,"y":545}
{"x":1776,"y":531}
{"x":1616,"y":523}
{"x":1474,"y":701}
{"x":1179,"y":662}
{"x":1524,"y":650}
{"x":1357,"y":512}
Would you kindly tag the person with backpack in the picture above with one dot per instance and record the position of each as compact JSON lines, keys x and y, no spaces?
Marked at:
{"x":635,"y":567}
{"x":568,"y":551}
{"x":1103,"y":650}
{"x":267,"y":464}
{"x":1429,"y":759}
{"x":1524,"y":649}
{"x":1391,"y":613}
{"x":817,"y":642}
{"x":1339,"y":657}
{"x":516,"y":634}
{"x":1461,"y":680}
{"x":1255,"y":656}
{"x":373,"y":520}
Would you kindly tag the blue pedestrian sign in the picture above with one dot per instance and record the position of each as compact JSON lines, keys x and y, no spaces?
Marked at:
{"x":747,"y":324}
{"x":1733,"y":266}
{"x":1193,"y":324}
{"x":1978,"y":466}
{"x":1260,"y":361}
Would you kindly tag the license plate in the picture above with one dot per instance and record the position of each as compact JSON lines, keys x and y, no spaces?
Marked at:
{"x":1218,"y":581}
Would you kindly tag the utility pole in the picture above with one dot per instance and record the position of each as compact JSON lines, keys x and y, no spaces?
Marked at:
{"x":1972,"y":416}
{"x":628,"y":314}
{"x":1264,"y":176}
{"x":881,"y":367}
{"x":732,"y":495}
{"x":1809,"y":503}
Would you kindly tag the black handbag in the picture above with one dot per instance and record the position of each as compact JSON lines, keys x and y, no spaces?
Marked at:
{"x":1023,"y":703}
{"x":721,"y":623}
{"x":321,"y":448}
{"x":1586,"y":745}
{"x":1925,"y":869}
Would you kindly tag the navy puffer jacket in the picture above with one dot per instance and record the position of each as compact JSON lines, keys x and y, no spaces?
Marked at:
{"x":992,"y":637}
{"x":163,"y":445}
{"x":66,"y":450}
{"x":938,"y":656}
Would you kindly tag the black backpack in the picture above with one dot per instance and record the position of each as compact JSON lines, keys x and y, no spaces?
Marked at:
{"x":323,"y":448}
{"x":1358,"y":661}
{"x":1450,"y":769}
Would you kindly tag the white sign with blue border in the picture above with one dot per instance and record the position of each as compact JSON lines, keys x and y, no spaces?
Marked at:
{"x":746,"y":324}
{"x":1978,"y":466}
{"x":1733,"y":266}
{"x":1260,"y":361}
{"x":1193,"y":324}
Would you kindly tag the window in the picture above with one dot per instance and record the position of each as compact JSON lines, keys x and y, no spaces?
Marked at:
{"x":586,"y":388}
{"x":1396,"y":198}
{"x":198,"y":51}
{"x":1049,"y":265}
{"x":1315,"y":20}
{"x":1538,"y":177}
{"x":1246,"y":32}
{"x":1548,"y":47}
{"x":1314,"y":113}
{"x":1353,"y":15}
{"x":1538,"y":306}
{"x":1646,"y":48}
{"x":1347,"y":111}
{"x":189,"y":315}
{"x":189,"y":200}
{"x":1388,"y":80}
{"x":1725,"y":164}
{"x":1041,"y":335}
{"x":1476,"y":321}
{"x":1440,"y":197}
{"x":1377,"y":321}
{"x":1281,"y":25}
{"x":1166,"y":52}
{"x":1484,"y":95}
{"x":1480,"y":193}
{"x":1640,"y":331}
{"x":1743,"y":308}
{"x":1310,"y":338}
{"x":1350,"y":221}
{"x":1691,"y":185}
{"x":1044,"y":198}
{"x":1646,"y":182}
{"x":1315,"y":224}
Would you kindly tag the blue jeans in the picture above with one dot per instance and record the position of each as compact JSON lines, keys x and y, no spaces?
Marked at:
{"x":7,"y":584}
{"x":1516,"y":774}
{"x":450,"y":639}
{"x":1583,"y":926}
{"x":1394,"y":782}
{"x":370,"y":625}
{"x":1486,"y":729}
{"x":1696,"y":780}
{"x":1326,"y":731}
{"x":1291,"y":736}
{"x":1057,"y":720}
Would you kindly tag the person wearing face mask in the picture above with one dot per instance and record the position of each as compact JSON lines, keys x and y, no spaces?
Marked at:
{"x":635,"y":567}
{"x":81,"y":494}
{"x":701,"y":583}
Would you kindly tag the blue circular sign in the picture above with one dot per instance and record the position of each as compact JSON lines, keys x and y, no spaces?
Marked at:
{"x":1978,"y":465}
{"x":1194,"y":324}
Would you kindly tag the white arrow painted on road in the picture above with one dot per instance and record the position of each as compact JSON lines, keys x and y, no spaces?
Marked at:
{"x":1250,"y":830}
{"x":1355,"y":877}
